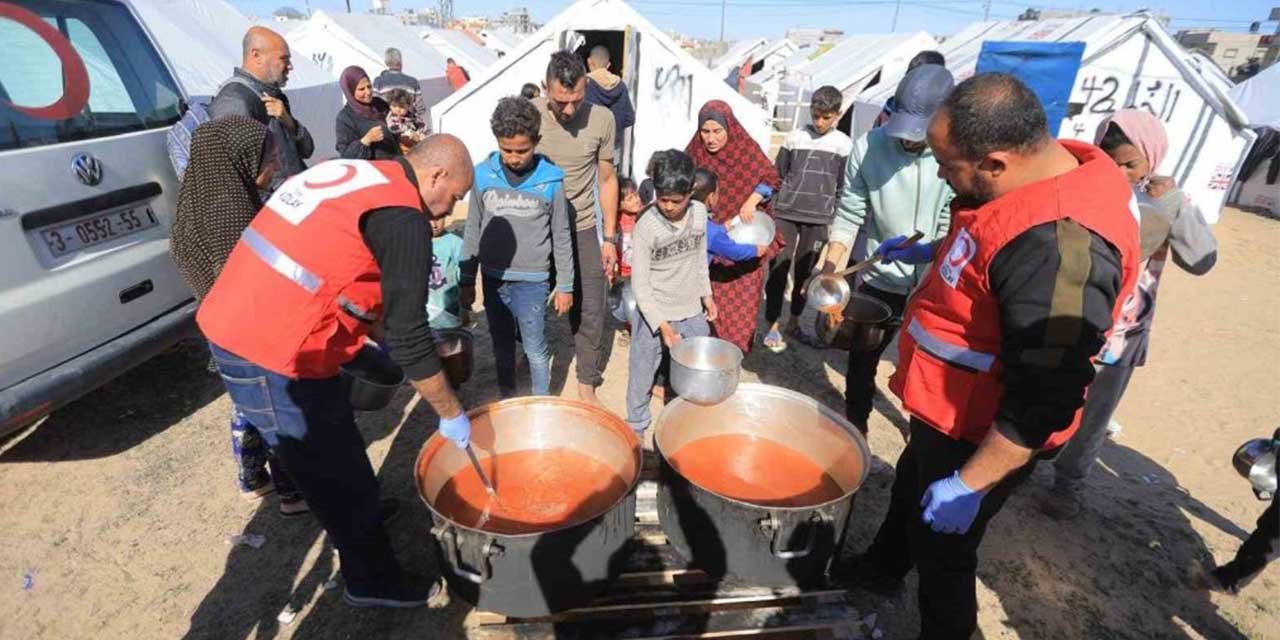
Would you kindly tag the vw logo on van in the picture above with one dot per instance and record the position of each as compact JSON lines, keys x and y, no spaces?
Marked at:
{"x":87,"y":169}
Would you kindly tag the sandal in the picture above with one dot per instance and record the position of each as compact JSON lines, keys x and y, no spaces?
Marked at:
{"x":773,"y":341}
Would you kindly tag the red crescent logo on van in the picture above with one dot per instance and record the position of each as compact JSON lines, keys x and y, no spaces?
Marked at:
{"x":75,"y":80}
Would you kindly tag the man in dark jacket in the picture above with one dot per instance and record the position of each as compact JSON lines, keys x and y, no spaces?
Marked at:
{"x":254,"y":90}
{"x":395,"y":77}
{"x":609,"y":91}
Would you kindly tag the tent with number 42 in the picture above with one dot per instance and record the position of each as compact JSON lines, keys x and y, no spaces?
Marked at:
{"x":1128,"y":61}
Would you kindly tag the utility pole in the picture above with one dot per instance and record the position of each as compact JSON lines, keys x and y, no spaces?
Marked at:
{"x":986,"y":10}
{"x":722,"y":8}
{"x":348,"y":6}
{"x":897,"y":6}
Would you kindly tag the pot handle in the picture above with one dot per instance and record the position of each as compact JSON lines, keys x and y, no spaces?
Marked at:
{"x":773,"y":529}
{"x":449,"y":538}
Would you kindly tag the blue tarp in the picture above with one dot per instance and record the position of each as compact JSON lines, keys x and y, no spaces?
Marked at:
{"x":1048,"y":68}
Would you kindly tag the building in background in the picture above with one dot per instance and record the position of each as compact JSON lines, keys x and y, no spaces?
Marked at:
{"x":809,"y":37}
{"x":1235,"y":53}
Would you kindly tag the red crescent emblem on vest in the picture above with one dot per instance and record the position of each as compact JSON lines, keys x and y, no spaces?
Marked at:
{"x":75,"y":80}
{"x":962,"y":251}
{"x":348,"y":173}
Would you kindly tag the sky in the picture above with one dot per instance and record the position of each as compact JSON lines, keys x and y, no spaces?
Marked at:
{"x":771,"y":18}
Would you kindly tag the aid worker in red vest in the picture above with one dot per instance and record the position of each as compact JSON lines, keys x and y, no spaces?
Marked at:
{"x":995,"y":352}
{"x":334,"y":248}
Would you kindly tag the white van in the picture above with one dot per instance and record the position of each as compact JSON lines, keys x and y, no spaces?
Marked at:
{"x":87,"y":194}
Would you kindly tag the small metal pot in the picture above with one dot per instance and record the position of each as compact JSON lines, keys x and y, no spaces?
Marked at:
{"x":622,"y":301}
{"x":865,"y":321}
{"x":759,"y":231}
{"x":768,"y":545}
{"x":828,"y":293}
{"x":705,"y":370}
{"x":371,"y":379}
{"x":455,"y":349}
{"x":542,"y":572}
{"x":1255,"y":460}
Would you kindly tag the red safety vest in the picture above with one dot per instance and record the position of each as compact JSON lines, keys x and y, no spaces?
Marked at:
{"x":300,"y":289}
{"x":949,"y":372}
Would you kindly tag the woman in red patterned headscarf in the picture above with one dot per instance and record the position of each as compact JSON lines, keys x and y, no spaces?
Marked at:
{"x":747,"y":179}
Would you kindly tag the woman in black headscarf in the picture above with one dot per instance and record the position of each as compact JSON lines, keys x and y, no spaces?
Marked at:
{"x":232,"y":160}
{"x":361,"y":127}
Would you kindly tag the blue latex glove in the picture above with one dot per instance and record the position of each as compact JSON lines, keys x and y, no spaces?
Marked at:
{"x":457,"y":429}
{"x":918,"y":253}
{"x":950,"y":505}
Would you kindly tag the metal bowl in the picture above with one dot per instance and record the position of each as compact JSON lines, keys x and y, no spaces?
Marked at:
{"x":705,"y":370}
{"x":371,"y":378}
{"x":862,"y":328}
{"x":759,"y":231}
{"x":622,"y":300}
{"x":828,"y":293}
{"x":1255,"y":460}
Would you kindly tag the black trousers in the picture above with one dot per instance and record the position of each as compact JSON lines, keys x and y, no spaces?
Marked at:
{"x":860,"y":375}
{"x":947,"y":563}
{"x":804,"y":244}
{"x":1262,"y":546}
{"x":590,"y":302}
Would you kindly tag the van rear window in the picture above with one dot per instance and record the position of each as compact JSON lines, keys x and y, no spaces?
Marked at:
{"x":75,"y":70}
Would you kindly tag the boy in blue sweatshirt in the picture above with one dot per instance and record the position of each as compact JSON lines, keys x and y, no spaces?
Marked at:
{"x":517,"y":223}
{"x":705,"y":184}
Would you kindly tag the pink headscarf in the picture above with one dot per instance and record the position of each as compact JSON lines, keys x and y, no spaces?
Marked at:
{"x":1142,"y":129}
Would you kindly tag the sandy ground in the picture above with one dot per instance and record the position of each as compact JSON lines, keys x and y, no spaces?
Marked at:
{"x":116,"y":511}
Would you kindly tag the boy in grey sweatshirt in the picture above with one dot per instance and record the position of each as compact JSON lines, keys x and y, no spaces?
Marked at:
{"x":669,"y":276}
{"x":517,"y":222}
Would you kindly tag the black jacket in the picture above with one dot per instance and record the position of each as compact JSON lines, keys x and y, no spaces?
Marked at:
{"x":350,"y":127}
{"x":244,"y":98}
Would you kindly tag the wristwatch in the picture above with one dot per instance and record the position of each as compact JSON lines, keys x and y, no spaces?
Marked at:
{"x":612,"y":239}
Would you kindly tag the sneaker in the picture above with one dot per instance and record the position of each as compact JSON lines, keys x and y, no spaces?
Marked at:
{"x":1202,"y":578}
{"x":1062,"y":503}
{"x":253,"y":495}
{"x":411,"y":592}
{"x":865,"y":573}
{"x":294,"y":505}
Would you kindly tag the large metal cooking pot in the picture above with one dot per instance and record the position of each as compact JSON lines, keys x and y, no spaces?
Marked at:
{"x":705,"y":370}
{"x":865,"y":321}
{"x":371,"y":378}
{"x":622,"y":301}
{"x":1255,"y":461}
{"x":769,"y":545}
{"x":532,"y":574}
{"x":759,"y":231}
{"x":456,"y":354}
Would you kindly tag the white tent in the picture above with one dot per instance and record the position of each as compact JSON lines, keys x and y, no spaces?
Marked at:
{"x":1128,"y":61}
{"x":733,"y":57}
{"x":855,"y":64}
{"x":500,"y":41}
{"x":763,"y":85}
{"x":1259,"y":99}
{"x":451,"y":43}
{"x":334,"y":41}
{"x":667,"y":85}
{"x":201,"y":40}
{"x":762,"y":54}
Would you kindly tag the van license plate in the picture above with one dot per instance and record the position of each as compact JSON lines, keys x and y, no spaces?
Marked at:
{"x":88,"y":232}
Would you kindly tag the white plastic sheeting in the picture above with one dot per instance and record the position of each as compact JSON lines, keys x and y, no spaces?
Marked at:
{"x":451,"y":43}
{"x":1259,"y":98}
{"x":667,"y":85}
{"x":1129,"y":61}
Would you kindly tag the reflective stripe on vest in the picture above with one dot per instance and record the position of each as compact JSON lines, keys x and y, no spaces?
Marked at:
{"x":280,"y":262}
{"x":943,"y":350}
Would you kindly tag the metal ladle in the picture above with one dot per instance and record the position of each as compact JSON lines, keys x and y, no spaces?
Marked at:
{"x":488,"y":486}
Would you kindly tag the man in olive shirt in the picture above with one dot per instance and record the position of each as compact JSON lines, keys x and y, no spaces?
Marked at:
{"x":579,"y":138}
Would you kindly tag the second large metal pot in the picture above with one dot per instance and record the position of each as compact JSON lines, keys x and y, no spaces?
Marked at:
{"x":768,"y":545}
{"x":542,"y":572}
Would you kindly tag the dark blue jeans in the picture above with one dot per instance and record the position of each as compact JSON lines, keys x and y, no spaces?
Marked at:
{"x":310,"y":426}
{"x":506,"y":305}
